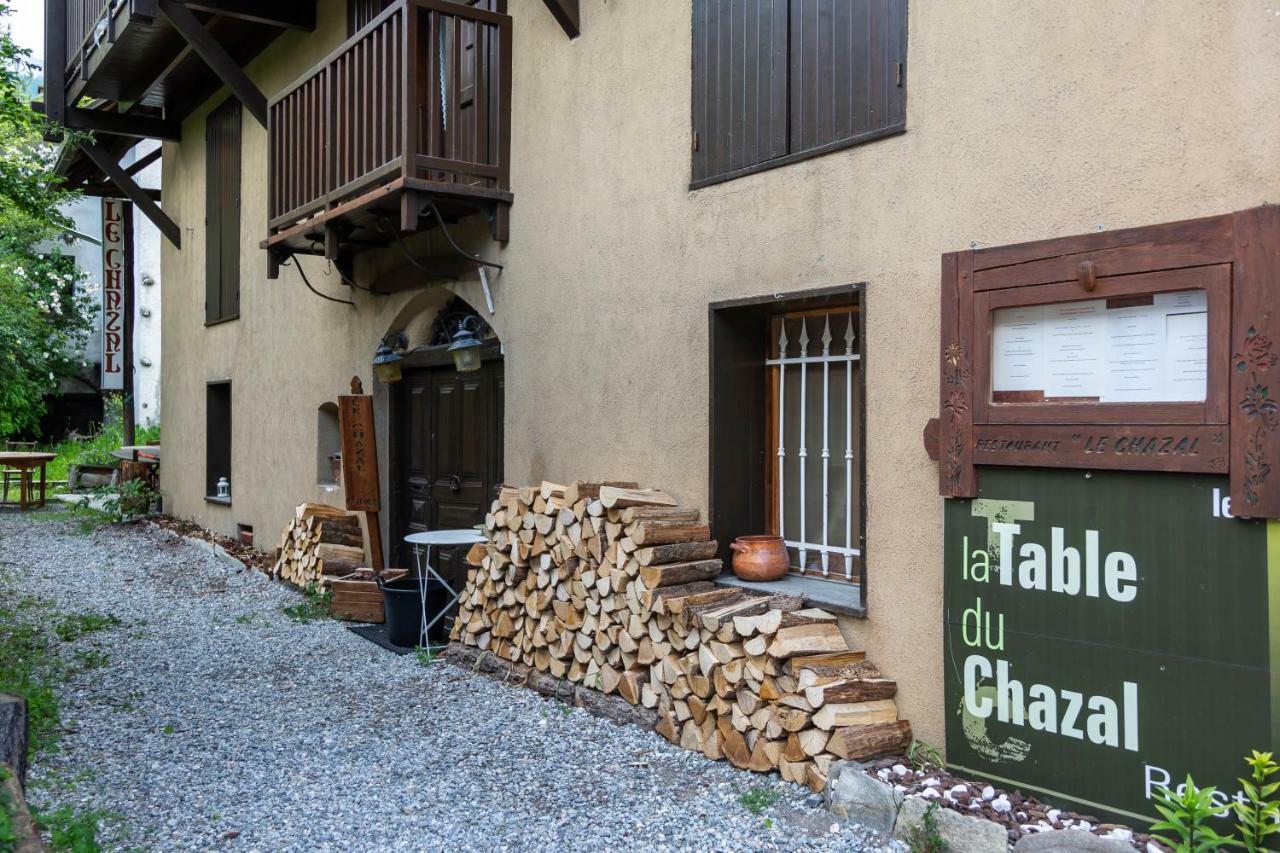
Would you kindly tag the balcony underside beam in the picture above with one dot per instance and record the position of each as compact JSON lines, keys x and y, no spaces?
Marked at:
{"x":216,"y":57}
{"x":286,"y":14}
{"x":136,"y":194}
{"x":121,"y":124}
{"x":567,"y":14}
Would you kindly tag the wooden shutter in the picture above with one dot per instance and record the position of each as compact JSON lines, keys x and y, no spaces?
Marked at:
{"x":739,"y":84}
{"x":846,"y":59}
{"x":222,"y":212}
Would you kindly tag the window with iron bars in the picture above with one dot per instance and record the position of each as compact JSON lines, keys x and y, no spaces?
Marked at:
{"x":815,"y":423}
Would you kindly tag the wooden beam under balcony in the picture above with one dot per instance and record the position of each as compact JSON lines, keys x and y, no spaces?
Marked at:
{"x":286,"y":14}
{"x":567,"y":13}
{"x":104,"y":160}
{"x":216,"y":57}
{"x":116,"y":124}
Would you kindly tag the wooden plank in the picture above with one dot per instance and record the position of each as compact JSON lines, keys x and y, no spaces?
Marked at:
{"x":1189,"y":242}
{"x":957,"y":478}
{"x":145,"y":203}
{"x":567,"y":15}
{"x":1255,"y":414}
{"x":1200,"y":448}
{"x":216,"y":57}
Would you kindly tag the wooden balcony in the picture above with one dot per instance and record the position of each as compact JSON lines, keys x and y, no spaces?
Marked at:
{"x":405,"y":126}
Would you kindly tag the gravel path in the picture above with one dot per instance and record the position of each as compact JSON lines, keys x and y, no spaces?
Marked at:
{"x":220,"y":723}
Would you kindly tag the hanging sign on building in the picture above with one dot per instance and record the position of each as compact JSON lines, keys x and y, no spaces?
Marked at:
{"x":1107,"y":633}
{"x":113,"y":320}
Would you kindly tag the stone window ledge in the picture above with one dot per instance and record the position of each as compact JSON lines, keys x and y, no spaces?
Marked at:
{"x":214,"y":499}
{"x":837,"y":597}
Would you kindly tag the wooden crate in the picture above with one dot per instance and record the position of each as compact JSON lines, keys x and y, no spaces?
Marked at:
{"x":356,"y":597}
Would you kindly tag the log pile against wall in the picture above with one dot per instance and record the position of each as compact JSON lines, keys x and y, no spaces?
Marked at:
{"x":320,"y":543}
{"x":610,"y":587}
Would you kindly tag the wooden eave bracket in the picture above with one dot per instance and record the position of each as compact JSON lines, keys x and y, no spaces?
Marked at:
{"x":216,"y":57}
{"x":566,"y":13}
{"x":136,"y":194}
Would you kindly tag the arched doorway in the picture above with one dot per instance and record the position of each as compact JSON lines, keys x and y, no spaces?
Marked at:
{"x":446,"y":441}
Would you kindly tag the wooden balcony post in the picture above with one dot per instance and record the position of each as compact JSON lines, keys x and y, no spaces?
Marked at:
{"x":55,"y":61}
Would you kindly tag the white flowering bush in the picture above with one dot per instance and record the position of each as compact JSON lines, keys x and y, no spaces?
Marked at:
{"x":45,"y":312}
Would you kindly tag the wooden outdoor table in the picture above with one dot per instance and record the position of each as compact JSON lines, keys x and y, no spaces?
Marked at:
{"x":26,"y":463}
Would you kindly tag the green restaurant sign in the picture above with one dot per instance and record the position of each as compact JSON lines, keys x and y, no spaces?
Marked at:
{"x":1108,"y":633}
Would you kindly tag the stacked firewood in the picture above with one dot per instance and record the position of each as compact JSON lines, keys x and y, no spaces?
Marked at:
{"x":320,"y":543}
{"x":610,"y":586}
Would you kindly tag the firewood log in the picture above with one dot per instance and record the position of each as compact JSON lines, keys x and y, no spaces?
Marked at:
{"x":831,"y":716}
{"x":677,"y":552}
{"x":672,"y":574}
{"x":655,"y":532}
{"x":613,"y":497}
{"x":862,"y":743}
{"x":815,"y":638}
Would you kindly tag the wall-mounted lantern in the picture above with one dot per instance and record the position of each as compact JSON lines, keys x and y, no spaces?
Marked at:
{"x":466,"y":345}
{"x":387,"y":358}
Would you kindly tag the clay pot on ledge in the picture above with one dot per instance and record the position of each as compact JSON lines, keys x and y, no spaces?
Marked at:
{"x":759,"y":558}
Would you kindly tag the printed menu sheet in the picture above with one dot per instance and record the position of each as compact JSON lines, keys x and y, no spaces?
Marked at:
{"x":1142,"y":349}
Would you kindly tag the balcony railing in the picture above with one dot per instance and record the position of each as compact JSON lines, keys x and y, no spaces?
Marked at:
{"x":83,"y":18}
{"x":418,"y":101}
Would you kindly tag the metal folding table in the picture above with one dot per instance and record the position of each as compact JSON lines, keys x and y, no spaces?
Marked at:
{"x":422,"y":543}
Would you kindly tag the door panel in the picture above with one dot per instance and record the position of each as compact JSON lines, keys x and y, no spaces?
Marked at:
{"x":449,"y":453}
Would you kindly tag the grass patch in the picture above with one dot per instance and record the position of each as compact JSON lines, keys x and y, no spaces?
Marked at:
{"x":71,"y":831}
{"x":758,"y":799}
{"x":428,"y":654}
{"x":85,"y":518}
{"x":73,"y":626}
{"x":8,"y":829}
{"x":92,"y":659}
{"x":96,"y":449}
{"x":313,"y":607}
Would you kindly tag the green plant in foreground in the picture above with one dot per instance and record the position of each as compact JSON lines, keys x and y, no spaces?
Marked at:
{"x":921,"y":753}
{"x":75,"y":625}
{"x":8,"y":831}
{"x":925,"y":837}
{"x":313,"y":607}
{"x":71,"y":831}
{"x":428,"y":654}
{"x":1260,"y":813}
{"x":1186,"y":814}
{"x":758,"y":799}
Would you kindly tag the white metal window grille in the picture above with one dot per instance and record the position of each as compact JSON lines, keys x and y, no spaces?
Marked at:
{"x":817,"y":485}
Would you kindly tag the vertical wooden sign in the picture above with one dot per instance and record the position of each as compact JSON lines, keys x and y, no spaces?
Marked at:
{"x":360,"y":463}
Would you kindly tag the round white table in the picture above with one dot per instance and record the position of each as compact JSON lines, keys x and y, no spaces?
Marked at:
{"x":422,"y":543}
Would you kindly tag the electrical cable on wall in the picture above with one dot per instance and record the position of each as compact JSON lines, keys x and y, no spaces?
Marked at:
{"x":292,"y":260}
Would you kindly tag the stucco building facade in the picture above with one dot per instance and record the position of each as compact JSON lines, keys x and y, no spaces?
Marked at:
{"x":1022,"y":122}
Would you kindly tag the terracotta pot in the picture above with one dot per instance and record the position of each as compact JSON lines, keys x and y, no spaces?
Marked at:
{"x":759,"y":558}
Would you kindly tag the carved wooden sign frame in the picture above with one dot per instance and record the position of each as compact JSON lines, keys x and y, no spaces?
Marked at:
{"x":1235,"y":430}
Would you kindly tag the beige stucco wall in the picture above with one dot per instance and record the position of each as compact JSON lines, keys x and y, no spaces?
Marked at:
{"x":1025,"y":121}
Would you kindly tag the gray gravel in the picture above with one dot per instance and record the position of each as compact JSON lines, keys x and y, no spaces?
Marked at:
{"x":220,"y":723}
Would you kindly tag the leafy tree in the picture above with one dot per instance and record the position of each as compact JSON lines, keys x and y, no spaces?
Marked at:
{"x":44,"y":308}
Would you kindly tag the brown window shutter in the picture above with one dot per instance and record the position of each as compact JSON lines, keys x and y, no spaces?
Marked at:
{"x":739,"y":84}
{"x":844,"y":69}
{"x":222,"y":212}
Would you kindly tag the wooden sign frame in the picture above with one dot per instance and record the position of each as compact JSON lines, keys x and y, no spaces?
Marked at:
{"x":1235,"y":258}
{"x":360,"y":484}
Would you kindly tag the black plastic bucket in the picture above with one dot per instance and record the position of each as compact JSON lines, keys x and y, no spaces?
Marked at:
{"x":402,"y":605}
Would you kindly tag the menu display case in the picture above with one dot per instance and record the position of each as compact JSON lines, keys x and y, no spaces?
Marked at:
{"x":1143,"y":349}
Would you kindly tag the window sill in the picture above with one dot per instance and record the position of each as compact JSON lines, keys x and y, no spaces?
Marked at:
{"x":837,"y":597}
{"x":214,"y":499}
{"x":798,"y":156}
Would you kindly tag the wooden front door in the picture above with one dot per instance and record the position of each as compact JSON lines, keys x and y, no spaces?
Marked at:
{"x":449,"y":457}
